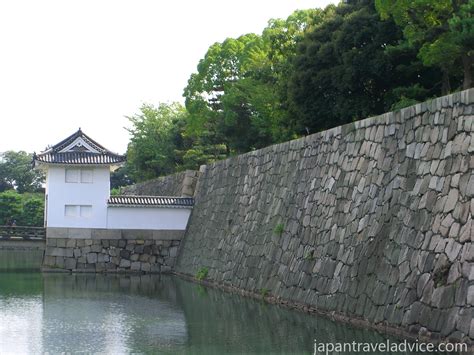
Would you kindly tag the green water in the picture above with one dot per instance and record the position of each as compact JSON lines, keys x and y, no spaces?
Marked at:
{"x":149,"y":314}
{"x":20,"y":260}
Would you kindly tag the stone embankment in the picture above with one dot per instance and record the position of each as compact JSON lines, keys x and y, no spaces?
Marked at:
{"x":371,"y":221}
{"x":112,"y":251}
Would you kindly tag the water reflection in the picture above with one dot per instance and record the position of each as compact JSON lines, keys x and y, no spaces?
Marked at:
{"x":20,"y":260}
{"x":118,"y":314}
{"x":111,"y":314}
{"x":217,"y":320}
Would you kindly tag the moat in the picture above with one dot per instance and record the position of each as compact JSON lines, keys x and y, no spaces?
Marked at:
{"x":146,"y":314}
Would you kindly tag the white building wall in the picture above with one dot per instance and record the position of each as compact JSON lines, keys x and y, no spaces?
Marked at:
{"x":147,"y":218}
{"x":59,"y":194}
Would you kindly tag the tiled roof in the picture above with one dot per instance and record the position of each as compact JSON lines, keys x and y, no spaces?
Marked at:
{"x":79,"y":134}
{"x":160,"y":201}
{"x":70,"y":152}
{"x":79,"y":158}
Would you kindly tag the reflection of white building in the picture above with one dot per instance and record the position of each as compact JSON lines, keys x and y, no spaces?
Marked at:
{"x":78,"y":192}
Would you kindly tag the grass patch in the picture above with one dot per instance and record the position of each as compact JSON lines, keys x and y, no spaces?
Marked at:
{"x":309,"y":255}
{"x":278,"y":230}
{"x":202,"y":273}
{"x":440,"y":276}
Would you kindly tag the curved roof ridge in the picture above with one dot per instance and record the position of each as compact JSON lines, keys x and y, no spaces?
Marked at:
{"x":103,"y":156}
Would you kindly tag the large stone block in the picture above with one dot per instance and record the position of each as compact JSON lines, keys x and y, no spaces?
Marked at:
{"x":102,"y":234}
{"x":91,"y":258}
{"x":470,"y":295}
{"x":168,"y":234}
{"x":70,"y":263}
{"x":137,"y":234}
{"x":125,"y":263}
{"x":79,"y":233}
{"x":54,"y":232}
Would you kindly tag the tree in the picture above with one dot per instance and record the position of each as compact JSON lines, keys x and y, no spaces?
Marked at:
{"x":344,"y":72}
{"x":16,"y":172}
{"x":121,"y":177}
{"x":32,"y":211}
{"x":235,"y":98}
{"x":216,"y":95}
{"x":282,"y":38}
{"x":155,"y":139}
{"x":26,"y":209}
{"x":10,"y":206}
{"x":442,"y":30}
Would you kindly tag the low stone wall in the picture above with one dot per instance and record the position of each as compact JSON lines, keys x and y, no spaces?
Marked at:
{"x":179,"y":184}
{"x":369,"y":221}
{"x":100,"y":250}
{"x":12,"y":244}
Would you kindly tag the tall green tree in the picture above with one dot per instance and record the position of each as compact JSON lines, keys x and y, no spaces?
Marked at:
{"x":32,"y":213}
{"x":10,"y":206}
{"x":282,"y":37}
{"x":216,"y":94}
{"x":151,"y":151}
{"x":344,"y":72}
{"x":442,"y":30}
{"x":16,"y":172}
{"x":25,"y":209}
{"x":121,"y":177}
{"x":236,"y":98}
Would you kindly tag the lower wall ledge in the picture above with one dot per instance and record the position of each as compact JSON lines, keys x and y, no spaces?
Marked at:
{"x":411,"y":334}
{"x":110,"y":256}
{"x":127,"y":272}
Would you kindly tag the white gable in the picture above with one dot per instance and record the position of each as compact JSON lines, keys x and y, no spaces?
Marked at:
{"x":79,"y":145}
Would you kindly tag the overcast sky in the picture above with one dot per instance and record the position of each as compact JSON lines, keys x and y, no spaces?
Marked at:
{"x":89,"y":63}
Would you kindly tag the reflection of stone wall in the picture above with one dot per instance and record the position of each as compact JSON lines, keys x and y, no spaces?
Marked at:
{"x":124,"y":251}
{"x":15,"y":259}
{"x":244,"y":326}
{"x":371,"y":220}
{"x":179,"y":184}
{"x":110,"y":314}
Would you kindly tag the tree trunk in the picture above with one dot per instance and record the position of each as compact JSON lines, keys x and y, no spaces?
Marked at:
{"x":446,"y":85}
{"x":467,"y":68}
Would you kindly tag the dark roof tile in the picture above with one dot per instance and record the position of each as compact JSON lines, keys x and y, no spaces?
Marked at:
{"x":79,"y":158}
{"x":162,"y":201}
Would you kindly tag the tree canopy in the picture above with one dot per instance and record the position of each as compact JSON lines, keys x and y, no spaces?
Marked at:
{"x":442,"y":30}
{"x":25,"y":209}
{"x":16,"y":172}
{"x":316,"y":69}
{"x":347,"y":69}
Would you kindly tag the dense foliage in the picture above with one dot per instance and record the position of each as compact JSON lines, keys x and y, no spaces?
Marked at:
{"x":317,"y":69}
{"x":16,"y":172}
{"x":21,"y":191}
{"x":441,"y":30}
{"x":25,"y":209}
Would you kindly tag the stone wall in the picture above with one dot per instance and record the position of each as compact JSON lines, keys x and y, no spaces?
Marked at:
{"x":179,"y":184}
{"x":370,"y":221}
{"x":100,"y":250}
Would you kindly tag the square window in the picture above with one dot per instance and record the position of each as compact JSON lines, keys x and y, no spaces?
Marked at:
{"x":72,"y":175}
{"x":86,"y":176}
{"x":71,"y":210}
{"x":86,"y":211}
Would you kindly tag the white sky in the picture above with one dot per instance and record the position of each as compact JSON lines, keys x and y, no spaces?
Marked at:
{"x":89,"y":63}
